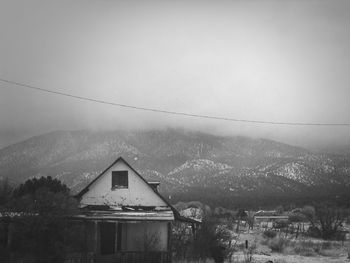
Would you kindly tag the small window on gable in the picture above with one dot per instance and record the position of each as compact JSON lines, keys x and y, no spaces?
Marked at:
{"x":120,"y":179}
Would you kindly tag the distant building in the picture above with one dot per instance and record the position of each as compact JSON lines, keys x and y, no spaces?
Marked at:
{"x":268,"y":218}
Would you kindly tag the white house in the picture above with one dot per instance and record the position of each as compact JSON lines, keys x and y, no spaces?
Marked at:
{"x":125,"y":217}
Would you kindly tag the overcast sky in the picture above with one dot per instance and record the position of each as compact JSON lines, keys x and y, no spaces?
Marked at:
{"x":283,"y":61}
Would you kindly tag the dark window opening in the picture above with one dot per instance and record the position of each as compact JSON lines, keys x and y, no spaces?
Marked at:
{"x":120,"y":179}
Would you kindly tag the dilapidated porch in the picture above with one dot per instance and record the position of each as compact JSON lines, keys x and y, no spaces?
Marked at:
{"x":121,"y":257}
{"x":124,"y":236}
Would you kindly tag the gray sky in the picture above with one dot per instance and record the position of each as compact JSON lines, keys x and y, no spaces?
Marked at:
{"x":284,"y":61}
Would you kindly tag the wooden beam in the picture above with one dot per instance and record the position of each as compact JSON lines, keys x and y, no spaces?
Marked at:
{"x":169,"y":241}
{"x":85,"y":253}
{"x":116,"y":237}
{"x":96,"y":249}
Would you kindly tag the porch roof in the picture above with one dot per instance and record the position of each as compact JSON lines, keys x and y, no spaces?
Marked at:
{"x":118,"y":215}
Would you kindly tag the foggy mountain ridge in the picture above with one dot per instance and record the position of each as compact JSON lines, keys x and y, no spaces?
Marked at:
{"x":188,"y":164}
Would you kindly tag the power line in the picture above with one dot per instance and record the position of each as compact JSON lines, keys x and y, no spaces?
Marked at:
{"x":18,"y":84}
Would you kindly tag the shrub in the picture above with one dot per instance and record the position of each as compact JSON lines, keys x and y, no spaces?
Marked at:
{"x":211,"y":240}
{"x":278,"y":244}
{"x":307,"y":248}
{"x":327,"y":245}
{"x":304,"y":250}
{"x":269,"y":234}
{"x":329,"y":253}
{"x":313,"y":232}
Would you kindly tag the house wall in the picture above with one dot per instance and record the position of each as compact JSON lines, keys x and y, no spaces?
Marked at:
{"x":138,"y":193}
{"x":259,"y":219}
{"x":147,"y":236}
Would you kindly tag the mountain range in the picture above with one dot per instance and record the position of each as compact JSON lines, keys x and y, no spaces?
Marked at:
{"x":219,"y":170}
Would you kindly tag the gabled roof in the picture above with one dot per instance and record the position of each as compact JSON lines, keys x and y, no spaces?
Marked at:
{"x":120,"y":159}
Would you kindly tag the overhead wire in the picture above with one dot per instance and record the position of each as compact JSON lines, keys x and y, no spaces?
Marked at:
{"x":23,"y":85}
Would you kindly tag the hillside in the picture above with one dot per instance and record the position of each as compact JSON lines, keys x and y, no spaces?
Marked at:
{"x":219,"y":170}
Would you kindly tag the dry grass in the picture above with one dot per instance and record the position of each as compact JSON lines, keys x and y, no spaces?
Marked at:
{"x":307,"y":248}
{"x":286,"y":250}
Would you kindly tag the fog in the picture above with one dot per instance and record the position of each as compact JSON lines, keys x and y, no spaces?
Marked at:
{"x":279,"y":61}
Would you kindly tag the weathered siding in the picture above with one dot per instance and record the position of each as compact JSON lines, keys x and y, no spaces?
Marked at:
{"x":147,"y":236}
{"x":138,"y":193}
{"x":137,"y":236}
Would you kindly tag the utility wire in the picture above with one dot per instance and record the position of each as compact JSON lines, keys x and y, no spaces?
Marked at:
{"x":18,"y":84}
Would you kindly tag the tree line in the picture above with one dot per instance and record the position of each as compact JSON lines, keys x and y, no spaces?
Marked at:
{"x":33,"y":221}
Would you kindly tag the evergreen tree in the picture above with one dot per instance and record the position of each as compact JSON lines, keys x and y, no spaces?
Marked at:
{"x":40,"y":229}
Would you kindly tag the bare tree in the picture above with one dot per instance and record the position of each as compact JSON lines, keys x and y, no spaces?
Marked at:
{"x":326,"y":219}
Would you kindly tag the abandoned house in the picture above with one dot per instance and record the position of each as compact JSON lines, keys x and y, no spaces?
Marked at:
{"x":125,"y":217}
{"x":267,"y":219}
